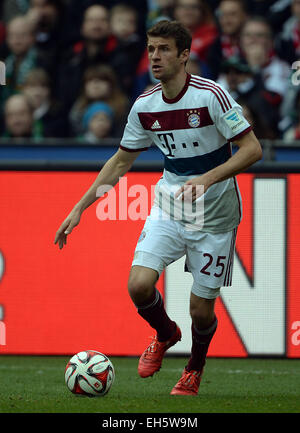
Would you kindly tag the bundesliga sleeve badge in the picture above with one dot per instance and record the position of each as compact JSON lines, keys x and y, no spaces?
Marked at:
{"x":234,"y":120}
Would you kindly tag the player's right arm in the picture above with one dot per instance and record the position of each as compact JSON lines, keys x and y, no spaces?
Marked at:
{"x":117,"y":166}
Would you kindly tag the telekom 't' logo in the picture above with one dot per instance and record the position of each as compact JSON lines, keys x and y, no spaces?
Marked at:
{"x":2,"y":74}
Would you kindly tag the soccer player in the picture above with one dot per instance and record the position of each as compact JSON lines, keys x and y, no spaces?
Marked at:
{"x":193,"y":121}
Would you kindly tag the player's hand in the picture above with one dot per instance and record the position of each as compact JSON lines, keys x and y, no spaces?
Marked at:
{"x":193,"y":189}
{"x":66,"y":228}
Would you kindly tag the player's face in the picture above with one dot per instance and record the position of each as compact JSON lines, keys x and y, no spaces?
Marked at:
{"x":164,"y":59}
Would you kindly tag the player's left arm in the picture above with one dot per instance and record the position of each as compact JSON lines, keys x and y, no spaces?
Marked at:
{"x":248,"y":153}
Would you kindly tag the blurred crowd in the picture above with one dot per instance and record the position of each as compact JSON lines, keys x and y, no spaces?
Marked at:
{"x":74,"y":67}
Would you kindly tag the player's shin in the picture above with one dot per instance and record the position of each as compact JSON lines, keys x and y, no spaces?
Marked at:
{"x":201,"y":339}
{"x":153,"y":311}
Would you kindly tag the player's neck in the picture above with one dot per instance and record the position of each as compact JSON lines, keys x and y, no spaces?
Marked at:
{"x":171,"y":88}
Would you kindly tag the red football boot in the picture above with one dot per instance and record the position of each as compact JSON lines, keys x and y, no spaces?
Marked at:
{"x":188,"y":384}
{"x":151,"y":360}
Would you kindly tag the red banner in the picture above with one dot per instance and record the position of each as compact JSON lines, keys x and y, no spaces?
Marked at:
{"x":62,"y":302}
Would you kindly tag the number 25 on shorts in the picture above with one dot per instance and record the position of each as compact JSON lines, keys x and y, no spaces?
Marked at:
{"x":209,"y":261}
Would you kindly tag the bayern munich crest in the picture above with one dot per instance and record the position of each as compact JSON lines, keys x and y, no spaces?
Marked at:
{"x":193,"y":119}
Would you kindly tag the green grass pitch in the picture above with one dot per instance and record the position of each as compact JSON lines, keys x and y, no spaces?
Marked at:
{"x":36,"y":385}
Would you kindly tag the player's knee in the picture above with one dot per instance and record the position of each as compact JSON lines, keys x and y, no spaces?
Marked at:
{"x":136,"y":287}
{"x":201,"y":316}
{"x":140,"y":287}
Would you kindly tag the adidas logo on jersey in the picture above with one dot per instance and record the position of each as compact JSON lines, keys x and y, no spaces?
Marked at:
{"x":156,"y":125}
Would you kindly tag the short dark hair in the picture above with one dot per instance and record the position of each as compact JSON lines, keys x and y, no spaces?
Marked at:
{"x":172,"y":29}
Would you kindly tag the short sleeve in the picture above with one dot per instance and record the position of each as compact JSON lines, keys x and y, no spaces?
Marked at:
{"x":227,"y":115}
{"x":135,"y":138}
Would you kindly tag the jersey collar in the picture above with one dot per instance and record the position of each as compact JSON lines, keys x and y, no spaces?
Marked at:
{"x":180,"y":94}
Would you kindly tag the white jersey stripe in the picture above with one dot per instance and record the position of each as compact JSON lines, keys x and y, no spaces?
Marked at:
{"x":204,"y":81}
{"x":214,"y":92}
{"x":218,"y":88}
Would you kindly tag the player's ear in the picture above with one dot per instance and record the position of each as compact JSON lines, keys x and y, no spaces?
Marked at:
{"x":185,"y":55}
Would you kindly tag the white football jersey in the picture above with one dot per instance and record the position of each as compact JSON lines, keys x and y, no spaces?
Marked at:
{"x":194,"y":131}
